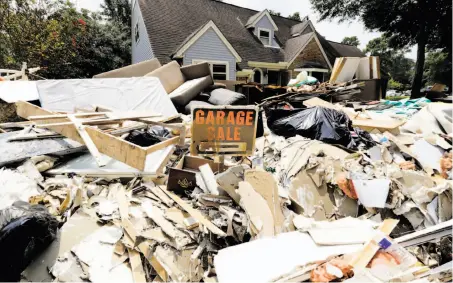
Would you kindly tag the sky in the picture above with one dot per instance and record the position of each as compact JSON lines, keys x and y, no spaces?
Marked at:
{"x":331,"y":30}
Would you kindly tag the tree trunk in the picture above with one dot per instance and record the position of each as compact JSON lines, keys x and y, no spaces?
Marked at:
{"x":421,"y":45}
{"x":418,"y":76}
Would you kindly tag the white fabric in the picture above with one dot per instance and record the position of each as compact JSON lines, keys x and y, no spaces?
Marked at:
{"x":13,"y":91}
{"x":15,"y":186}
{"x":266,"y":259}
{"x":140,"y":93}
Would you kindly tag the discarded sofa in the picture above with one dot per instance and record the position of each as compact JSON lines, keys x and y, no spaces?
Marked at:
{"x":193,"y":85}
{"x":135,"y":70}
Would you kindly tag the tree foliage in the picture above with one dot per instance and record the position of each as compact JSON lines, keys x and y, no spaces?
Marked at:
{"x":295,"y":16}
{"x":426,"y":23}
{"x":438,"y":68}
{"x":392,"y":59}
{"x":65,"y":42}
{"x":118,"y":11}
{"x":272,"y":12}
{"x":351,"y":40}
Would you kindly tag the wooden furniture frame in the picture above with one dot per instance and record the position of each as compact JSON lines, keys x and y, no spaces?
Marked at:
{"x":103,"y":142}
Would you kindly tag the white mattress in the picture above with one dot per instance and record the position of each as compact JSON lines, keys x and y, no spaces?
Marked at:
{"x":140,"y":93}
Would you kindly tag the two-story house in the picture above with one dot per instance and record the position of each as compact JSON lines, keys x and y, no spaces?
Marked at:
{"x":236,"y":41}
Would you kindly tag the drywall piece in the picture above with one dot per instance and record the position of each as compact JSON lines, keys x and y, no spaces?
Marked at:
{"x":229,"y":181}
{"x":195,"y":214}
{"x":344,"y":231}
{"x":12,"y":152}
{"x":435,"y":118}
{"x":96,"y":251}
{"x":85,"y":165}
{"x":167,"y":260}
{"x":13,"y":91}
{"x":264,"y":184}
{"x":159,"y":193}
{"x":258,"y":211}
{"x":209,"y":179}
{"x":157,"y":216}
{"x":344,"y":69}
{"x":368,"y":68}
{"x":372,"y":193}
{"x":266,"y":259}
{"x":136,"y":265}
{"x":141,"y":93}
{"x":428,"y":155}
{"x":306,"y":197}
{"x":78,"y":227}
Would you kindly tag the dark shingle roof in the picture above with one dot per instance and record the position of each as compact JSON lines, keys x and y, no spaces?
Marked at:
{"x":346,"y":50}
{"x":169,"y":23}
{"x":294,"y":44}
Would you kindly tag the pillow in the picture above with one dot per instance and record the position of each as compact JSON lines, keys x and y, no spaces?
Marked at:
{"x":225,"y":97}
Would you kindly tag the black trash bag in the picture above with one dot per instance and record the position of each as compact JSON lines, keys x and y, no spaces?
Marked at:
{"x":25,"y":231}
{"x":318,"y":123}
{"x":159,"y":131}
{"x":142,"y":138}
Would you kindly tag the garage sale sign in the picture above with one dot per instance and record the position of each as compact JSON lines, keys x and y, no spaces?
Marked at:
{"x":224,"y":130}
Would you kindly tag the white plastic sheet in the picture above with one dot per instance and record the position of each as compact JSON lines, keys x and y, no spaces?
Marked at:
{"x":141,"y":93}
{"x":13,"y":91}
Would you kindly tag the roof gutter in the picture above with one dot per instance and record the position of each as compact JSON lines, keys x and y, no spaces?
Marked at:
{"x":279,"y":65}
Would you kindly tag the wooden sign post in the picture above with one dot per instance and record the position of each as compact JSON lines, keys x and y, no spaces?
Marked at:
{"x":224,"y":130}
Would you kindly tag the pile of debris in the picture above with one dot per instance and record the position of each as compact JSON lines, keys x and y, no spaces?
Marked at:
{"x":328,"y":195}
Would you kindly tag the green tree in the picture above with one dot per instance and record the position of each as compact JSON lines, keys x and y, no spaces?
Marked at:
{"x":67,"y":43}
{"x":351,"y":40}
{"x":295,"y":16}
{"x":426,"y":23}
{"x":118,"y":11}
{"x":393,"y":60}
{"x":438,"y":68}
{"x":272,"y":12}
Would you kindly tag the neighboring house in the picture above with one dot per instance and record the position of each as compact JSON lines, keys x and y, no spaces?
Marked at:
{"x":237,"y":42}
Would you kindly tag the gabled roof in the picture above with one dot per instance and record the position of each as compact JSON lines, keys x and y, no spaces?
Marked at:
{"x":253,"y":20}
{"x":172,"y":23}
{"x":191,"y":39}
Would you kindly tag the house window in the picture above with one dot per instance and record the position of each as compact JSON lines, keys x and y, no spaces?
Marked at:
{"x":137,"y":33}
{"x":219,"y":69}
{"x":265,"y":36}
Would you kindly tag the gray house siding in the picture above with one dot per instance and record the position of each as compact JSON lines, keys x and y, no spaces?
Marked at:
{"x":265,"y":23}
{"x":210,"y":47}
{"x":141,"y":49}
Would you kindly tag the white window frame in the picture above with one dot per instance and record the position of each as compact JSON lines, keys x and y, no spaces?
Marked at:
{"x":216,"y":62}
{"x":270,"y":36}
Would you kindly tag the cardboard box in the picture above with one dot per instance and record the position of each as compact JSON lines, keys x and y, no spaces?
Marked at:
{"x":182,"y":176}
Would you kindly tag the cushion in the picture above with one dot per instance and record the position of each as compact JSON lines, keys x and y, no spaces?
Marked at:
{"x":196,"y":71}
{"x":135,"y":70}
{"x":188,"y":108}
{"x":170,"y":76}
{"x":225,"y":97}
{"x":189,"y":90}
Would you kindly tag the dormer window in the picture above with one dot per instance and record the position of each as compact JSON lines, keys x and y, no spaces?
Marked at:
{"x":265,"y":36}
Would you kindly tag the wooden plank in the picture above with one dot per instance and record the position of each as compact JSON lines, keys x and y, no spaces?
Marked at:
{"x":87,"y":140}
{"x":136,"y":266}
{"x":363,"y":257}
{"x":58,"y":116}
{"x":161,"y":145}
{"x":25,"y":109}
{"x":124,"y":151}
{"x":195,"y":213}
{"x":35,"y":137}
{"x":121,"y":131}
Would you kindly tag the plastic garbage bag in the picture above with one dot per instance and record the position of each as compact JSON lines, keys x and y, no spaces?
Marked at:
{"x":148,"y":138}
{"x":318,"y":123}
{"x":25,"y":231}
